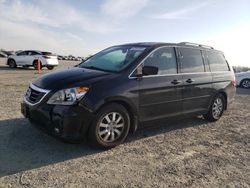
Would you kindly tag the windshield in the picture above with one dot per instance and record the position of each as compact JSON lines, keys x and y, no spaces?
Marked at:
{"x":113,"y":59}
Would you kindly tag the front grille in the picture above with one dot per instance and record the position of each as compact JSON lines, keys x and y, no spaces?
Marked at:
{"x":33,"y":96}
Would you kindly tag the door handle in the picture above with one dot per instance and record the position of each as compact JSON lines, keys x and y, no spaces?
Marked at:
{"x":175,"y":82}
{"x":189,"y":80}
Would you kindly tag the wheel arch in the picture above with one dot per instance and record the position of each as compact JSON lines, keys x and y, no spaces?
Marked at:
{"x":223,"y":93}
{"x":9,"y":59}
{"x":36,"y":60}
{"x":131,"y":108}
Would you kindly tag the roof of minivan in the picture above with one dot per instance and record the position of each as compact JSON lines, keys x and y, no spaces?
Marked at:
{"x":183,"y":44}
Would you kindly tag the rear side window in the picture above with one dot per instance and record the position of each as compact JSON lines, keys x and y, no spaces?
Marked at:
{"x":34,"y":53}
{"x":217,"y":61}
{"x":164,"y":59}
{"x":31,"y":53}
{"x":191,"y":60}
{"x":22,"y":53}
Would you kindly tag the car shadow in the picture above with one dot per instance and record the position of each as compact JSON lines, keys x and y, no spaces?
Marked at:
{"x":156,"y":128}
{"x":16,"y":68}
{"x":242,"y":91}
{"x":24,"y":147}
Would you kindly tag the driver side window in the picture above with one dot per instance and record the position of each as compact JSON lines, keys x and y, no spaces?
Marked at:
{"x":164,"y":59}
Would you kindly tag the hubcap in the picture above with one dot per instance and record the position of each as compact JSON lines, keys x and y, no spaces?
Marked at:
{"x":12,"y":64}
{"x":111,"y":127}
{"x":246,"y":83}
{"x":217,"y":108}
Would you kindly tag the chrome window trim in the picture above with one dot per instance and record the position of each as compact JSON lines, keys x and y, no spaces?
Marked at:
{"x":132,"y":77}
{"x":36,"y":89}
{"x":172,"y":46}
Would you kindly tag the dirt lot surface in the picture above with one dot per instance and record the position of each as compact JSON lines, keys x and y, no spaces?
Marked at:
{"x":192,"y":153}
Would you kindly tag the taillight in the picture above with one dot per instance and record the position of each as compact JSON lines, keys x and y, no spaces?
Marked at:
{"x":234,"y":82}
{"x":46,"y":57}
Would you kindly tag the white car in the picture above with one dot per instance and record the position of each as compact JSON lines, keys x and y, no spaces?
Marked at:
{"x":243,"y":79}
{"x":30,"y":58}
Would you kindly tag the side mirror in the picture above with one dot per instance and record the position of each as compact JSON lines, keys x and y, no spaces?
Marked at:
{"x":149,"y":70}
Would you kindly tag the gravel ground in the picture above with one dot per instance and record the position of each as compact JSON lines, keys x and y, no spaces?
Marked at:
{"x":185,"y":153}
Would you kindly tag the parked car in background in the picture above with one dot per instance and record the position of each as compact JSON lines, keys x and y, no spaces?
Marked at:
{"x":65,"y":58}
{"x":128,"y":86}
{"x":8,"y":53}
{"x":30,"y":58}
{"x":243,"y":79}
{"x":59,"y":57}
{"x":3,"y":55}
{"x":79,"y":59}
{"x":72,"y":58}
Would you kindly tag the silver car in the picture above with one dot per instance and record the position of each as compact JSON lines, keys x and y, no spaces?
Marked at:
{"x":243,"y":79}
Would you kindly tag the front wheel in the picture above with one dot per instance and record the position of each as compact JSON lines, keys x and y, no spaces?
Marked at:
{"x":245,"y":83}
{"x":216,"y":109}
{"x":110,"y":126}
{"x":12,"y":63}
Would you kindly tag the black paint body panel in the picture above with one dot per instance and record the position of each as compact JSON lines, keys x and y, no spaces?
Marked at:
{"x":147,"y":98}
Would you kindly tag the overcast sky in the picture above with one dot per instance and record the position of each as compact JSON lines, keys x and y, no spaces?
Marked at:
{"x":85,"y":27}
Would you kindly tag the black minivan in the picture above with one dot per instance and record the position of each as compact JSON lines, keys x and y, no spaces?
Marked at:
{"x":125,"y":87}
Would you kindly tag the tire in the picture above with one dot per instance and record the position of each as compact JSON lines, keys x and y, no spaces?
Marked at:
{"x":216,"y":109}
{"x":245,"y":83}
{"x":12,"y":63}
{"x":110,"y":126}
{"x":50,"y":67}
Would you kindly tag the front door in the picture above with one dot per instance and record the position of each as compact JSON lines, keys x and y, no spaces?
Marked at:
{"x":160,"y":94}
{"x":20,"y":58}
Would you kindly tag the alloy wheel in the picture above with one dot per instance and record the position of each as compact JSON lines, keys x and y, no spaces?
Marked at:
{"x":111,"y":127}
{"x":217,"y":108}
{"x":12,"y":64}
{"x":246,"y":83}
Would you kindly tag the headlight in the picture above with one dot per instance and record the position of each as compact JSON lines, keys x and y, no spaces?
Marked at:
{"x":68,"y":96}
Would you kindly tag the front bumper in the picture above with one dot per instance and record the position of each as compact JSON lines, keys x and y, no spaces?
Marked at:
{"x":68,"y":122}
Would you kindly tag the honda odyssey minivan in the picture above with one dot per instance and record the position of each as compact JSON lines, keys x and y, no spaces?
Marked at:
{"x":124,"y":87}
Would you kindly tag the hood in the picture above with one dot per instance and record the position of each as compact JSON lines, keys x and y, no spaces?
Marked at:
{"x":72,"y":77}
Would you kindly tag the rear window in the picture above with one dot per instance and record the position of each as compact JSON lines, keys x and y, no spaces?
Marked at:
{"x":33,"y":53}
{"x":217,"y":62}
{"x":47,"y":53}
{"x":191,"y":60}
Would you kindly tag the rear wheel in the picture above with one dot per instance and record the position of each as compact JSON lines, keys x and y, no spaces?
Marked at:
{"x":12,"y":63}
{"x":245,"y":83}
{"x":216,"y":109}
{"x":110,"y":126}
{"x":50,"y":67}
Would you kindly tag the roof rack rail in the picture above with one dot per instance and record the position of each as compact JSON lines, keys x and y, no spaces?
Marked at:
{"x":195,"y":44}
